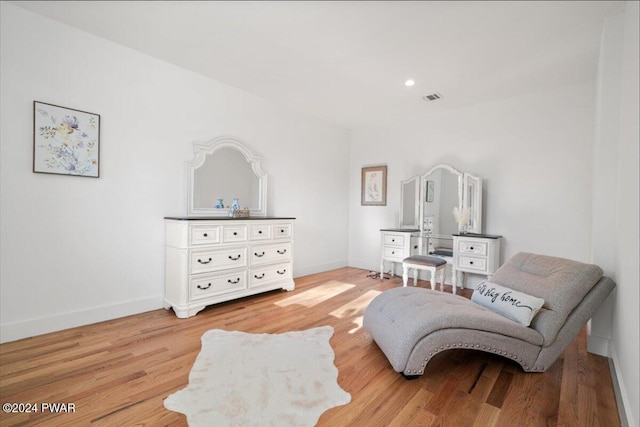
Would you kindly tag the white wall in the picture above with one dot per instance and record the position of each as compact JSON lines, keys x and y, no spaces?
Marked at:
{"x":534,"y":154}
{"x":615,"y":201}
{"x":626,"y":343}
{"x":78,"y":250}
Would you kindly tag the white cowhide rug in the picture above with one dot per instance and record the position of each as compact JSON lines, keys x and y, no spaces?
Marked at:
{"x":242,"y":379}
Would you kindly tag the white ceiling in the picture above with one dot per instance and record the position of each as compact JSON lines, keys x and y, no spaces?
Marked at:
{"x":347,"y":61}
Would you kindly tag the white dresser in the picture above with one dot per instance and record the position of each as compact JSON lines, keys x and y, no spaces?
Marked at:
{"x":397,"y":244}
{"x":210,"y":260}
{"x":476,"y":253}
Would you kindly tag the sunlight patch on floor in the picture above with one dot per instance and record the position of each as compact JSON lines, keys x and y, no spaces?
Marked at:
{"x":356,"y":308}
{"x":316,"y":295}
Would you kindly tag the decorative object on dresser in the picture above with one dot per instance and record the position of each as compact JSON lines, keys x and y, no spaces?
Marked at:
{"x":65,"y":141}
{"x":374,"y":186}
{"x":210,"y":260}
{"x":242,"y":379}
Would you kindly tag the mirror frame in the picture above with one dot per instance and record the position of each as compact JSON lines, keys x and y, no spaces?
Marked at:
{"x":423,"y":187}
{"x":416,"y":209}
{"x":202,"y":150}
{"x":469,"y":195}
{"x":473,"y":200}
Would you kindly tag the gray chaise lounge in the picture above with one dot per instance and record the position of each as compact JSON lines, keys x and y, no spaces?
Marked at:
{"x":411,"y":325}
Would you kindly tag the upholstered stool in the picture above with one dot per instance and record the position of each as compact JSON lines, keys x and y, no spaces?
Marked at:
{"x":433,"y":264}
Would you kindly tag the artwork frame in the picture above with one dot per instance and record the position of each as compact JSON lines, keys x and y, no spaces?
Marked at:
{"x":66,"y":141}
{"x":374,"y":186}
{"x":430,"y":191}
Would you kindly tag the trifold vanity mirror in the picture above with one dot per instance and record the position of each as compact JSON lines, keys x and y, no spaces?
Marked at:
{"x":222,"y":170}
{"x":428,"y":200}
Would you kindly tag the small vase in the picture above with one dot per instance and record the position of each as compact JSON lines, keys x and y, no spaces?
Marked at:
{"x":235,"y":205}
{"x":462,"y":228}
{"x":219,"y":204}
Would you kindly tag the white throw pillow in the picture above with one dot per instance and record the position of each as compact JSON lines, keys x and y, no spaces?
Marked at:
{"x":511,"y":304}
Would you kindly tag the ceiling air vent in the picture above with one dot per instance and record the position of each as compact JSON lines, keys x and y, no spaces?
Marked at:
{"x":432,"y":97}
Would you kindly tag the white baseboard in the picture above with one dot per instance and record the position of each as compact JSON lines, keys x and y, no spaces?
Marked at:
{"x":599,"y":345}
{"x":305,"y":271}
{"x":626,"y":417}
{"x":30,"y":328}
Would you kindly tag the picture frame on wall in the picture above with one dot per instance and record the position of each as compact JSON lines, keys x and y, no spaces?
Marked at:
{"x":430,"y":191}
{"x":65,"y":141}
{"x":374,"y":186}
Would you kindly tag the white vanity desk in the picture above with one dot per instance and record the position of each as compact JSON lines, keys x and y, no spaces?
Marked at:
{"x":428,"y":225}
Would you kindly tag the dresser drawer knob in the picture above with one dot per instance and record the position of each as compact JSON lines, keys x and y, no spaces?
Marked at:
{"x":204,"y":262}
{"x":234,"y":282}
{"x":234,"y":259}
{"x":259,"y":277}
{"x":281,"y":272}
{"x":235,"y":233}
{"x":259,"y":231}
{"x":205,"y":235}
{"x":282,"y":252}
{"x":204,"y":287}
{"x":259,"y":255}
{"x":471,"y":247}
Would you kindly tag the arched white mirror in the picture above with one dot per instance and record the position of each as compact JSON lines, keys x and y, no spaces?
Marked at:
{"x":222,"y":170}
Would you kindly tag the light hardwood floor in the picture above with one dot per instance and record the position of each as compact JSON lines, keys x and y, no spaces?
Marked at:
{"x":118,"y":373}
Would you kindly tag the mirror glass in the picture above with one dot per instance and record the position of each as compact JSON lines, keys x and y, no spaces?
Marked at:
{"x":225,"y":175}
{"x":442,"y":187}
{"x":225,"y":169}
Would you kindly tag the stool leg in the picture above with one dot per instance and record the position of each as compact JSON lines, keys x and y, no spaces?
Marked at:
{"x":432,"y":275}
{"x":453,"y":285}
{"x":405,"y":275}
{"x":415,"y":276}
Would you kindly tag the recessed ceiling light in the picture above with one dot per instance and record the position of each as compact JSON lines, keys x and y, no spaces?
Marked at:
{"x":409,"y":82}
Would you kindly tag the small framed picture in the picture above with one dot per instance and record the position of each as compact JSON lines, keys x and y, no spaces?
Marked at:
{"x":374,"y":186}
{"x":65,"y":141}
{"x":430,"y":190}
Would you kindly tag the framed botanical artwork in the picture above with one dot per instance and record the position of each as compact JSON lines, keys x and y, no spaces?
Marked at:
{"x":374,"y":186}
{"x":430,"y":190}
{"x":65,"y":141}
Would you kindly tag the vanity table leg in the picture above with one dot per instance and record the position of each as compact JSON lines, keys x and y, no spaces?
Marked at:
{"x":381,"y":269}
{"x":454,"y":278}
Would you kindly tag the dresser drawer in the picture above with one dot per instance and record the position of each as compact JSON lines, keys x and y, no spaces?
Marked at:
{"x":214,"y":260}
{"x":393,"y":240}
{"x":394,"y":253}
{"x":234,"y":233}
{"x":214,"y":284}
{"x":203,"y":234}
{"x":266,"y":254}
{"x":260,"y":276}
{"x":281,"y":231}
{"x":472,"y":248}
{"x":471,"y":263}
{"x":260,"y":231}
